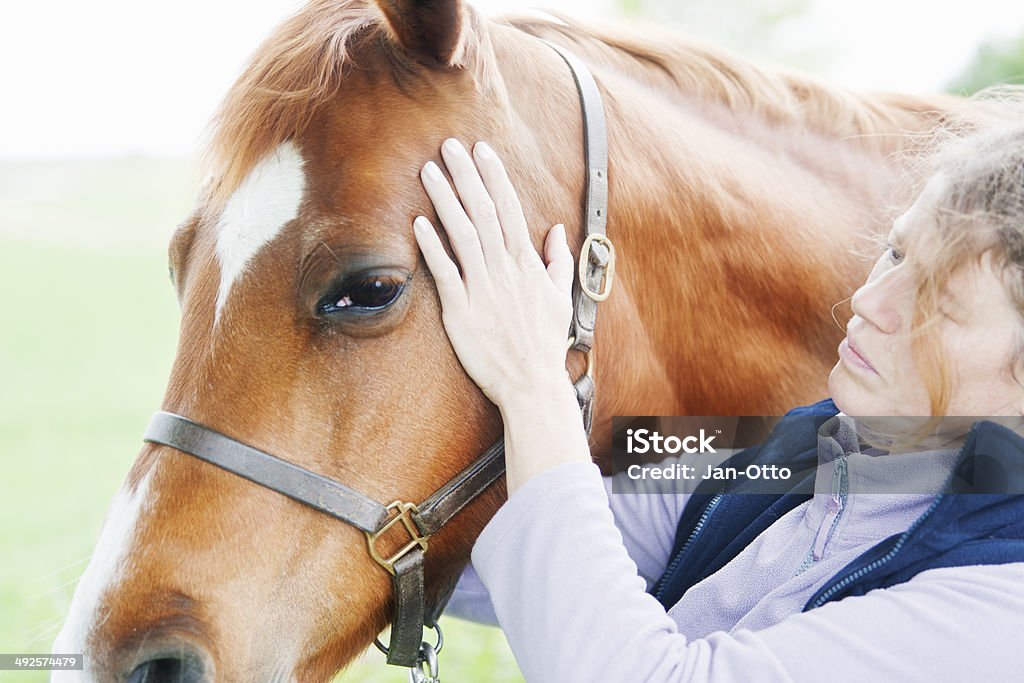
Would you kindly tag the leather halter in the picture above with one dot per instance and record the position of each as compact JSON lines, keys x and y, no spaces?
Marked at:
{"x":421,"y":521}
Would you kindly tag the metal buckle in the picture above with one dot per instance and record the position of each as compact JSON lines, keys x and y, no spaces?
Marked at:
{"x":416,"y":539}
{"x":609,"y":267}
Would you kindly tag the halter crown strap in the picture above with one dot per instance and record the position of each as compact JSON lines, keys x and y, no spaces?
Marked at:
{"x":597,"y":256}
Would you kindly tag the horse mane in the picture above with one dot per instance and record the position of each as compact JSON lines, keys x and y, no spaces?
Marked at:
{"x":302,"y":63}
{"x":668,"y":60}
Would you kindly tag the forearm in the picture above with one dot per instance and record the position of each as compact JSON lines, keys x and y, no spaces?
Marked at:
{"x":543,"y":428}
{"x":647,"y":524}
{"x":565,"y":591}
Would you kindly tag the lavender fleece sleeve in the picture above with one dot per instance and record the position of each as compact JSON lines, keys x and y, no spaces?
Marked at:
{"x":574,"y":608}
{"x":646,"y":522}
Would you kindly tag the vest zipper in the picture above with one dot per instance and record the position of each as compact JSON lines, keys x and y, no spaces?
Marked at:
{"x":834,"y":511}
{"x":689,"y":541}
{"x":867,"y":569}
{"x":827,"y":594}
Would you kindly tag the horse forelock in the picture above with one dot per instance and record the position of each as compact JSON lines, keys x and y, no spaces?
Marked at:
{"x":301,"y":66}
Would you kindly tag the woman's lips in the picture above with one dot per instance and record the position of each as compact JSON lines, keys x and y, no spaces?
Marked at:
{"x":849,"y":352}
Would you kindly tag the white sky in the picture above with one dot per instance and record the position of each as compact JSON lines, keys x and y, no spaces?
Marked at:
{"x":112,"y":77}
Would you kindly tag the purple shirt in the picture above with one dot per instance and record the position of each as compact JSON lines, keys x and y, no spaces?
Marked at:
{"x":564,"y":567}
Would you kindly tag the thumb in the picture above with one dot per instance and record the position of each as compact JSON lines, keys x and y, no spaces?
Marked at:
{"x":558,"y":258}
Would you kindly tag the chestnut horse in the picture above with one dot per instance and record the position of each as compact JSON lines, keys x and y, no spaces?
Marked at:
{"x":739,"y":200}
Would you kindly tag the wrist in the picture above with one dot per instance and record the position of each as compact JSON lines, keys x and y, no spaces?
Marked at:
{"x":543,"y":428}
{"x":555,"y":396}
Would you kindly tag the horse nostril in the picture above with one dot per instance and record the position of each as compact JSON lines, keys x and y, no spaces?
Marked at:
{"x":168,"y":670}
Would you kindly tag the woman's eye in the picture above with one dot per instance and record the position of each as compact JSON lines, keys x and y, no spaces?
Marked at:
{"x":367,"y":293}
{"x":894,"y":254}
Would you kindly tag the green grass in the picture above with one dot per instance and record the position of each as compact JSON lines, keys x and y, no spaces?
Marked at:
{"x":87,"y":337}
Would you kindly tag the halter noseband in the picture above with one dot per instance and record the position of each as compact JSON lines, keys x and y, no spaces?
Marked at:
{"x":420,"y":521}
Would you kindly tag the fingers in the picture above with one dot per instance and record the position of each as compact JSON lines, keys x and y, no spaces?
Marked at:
{"x":449,"y":284}
{"x":462,"y":234}
{"x":476,"y":201}
{"x":484,"y":222}
{"x":559,"y":259}
{"x":507,"y":205}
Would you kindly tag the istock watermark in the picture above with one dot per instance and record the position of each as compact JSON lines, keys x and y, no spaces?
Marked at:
{"x":645,"y":441}
{"x":691,"y":472}
{"x":806,"y":454}
{"x":648,"y":441}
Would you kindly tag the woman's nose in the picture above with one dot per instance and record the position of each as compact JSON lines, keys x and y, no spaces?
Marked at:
{"x":883,"y":302}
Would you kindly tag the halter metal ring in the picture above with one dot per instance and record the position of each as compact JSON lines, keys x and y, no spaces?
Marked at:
{"x":436,"y":647}
{"x":427,"y":657}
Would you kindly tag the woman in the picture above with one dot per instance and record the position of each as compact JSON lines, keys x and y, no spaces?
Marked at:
{"x":892,"y":586}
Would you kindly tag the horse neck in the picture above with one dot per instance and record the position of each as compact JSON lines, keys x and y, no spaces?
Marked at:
{"x":735,"y":231}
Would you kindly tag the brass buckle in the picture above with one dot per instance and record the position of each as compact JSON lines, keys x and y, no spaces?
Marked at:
{"x":416,"y":539}
{"x":609,"y":267}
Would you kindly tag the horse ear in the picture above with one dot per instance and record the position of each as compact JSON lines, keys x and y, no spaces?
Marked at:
{"x":432,"y":29}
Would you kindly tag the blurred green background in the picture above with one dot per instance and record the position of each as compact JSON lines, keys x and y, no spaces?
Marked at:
{"x":86,"y":343}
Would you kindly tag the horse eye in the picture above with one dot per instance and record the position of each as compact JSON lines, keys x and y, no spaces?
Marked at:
{"x":372,"y":293}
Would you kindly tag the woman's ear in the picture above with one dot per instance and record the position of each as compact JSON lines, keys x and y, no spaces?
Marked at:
{"x":432,"y":30}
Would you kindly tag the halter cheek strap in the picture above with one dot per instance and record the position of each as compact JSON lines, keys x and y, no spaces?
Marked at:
{"x":414,"y":524}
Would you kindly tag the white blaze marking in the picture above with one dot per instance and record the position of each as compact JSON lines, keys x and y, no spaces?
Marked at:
{"x":263,"y":204}
{"x":104,"y":571}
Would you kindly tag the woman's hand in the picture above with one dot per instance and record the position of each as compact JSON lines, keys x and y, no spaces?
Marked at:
{"x":508,"y":314}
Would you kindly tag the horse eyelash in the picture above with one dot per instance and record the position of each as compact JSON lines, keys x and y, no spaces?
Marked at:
{"x":891,"y":249}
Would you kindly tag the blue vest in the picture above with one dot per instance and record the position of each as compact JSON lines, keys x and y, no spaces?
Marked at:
{"x":960,"y":528}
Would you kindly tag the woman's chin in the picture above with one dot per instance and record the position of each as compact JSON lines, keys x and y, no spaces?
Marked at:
{"x":849,"y":396}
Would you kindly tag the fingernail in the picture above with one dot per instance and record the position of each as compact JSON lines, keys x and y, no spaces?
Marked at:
{"x":561,"y":228}
{"x":484,"y":150}
{"x":433,"y":172}
{"x":420,"y":224}
{"x":453,"y":145}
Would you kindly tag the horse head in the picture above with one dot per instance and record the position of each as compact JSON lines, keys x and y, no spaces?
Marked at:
{"x":311,"y":329}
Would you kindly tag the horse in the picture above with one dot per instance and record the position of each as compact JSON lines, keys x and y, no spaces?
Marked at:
{"x":740,"y":199}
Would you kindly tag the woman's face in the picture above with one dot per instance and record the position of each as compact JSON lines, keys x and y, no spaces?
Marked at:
{"x":876,"y":373}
